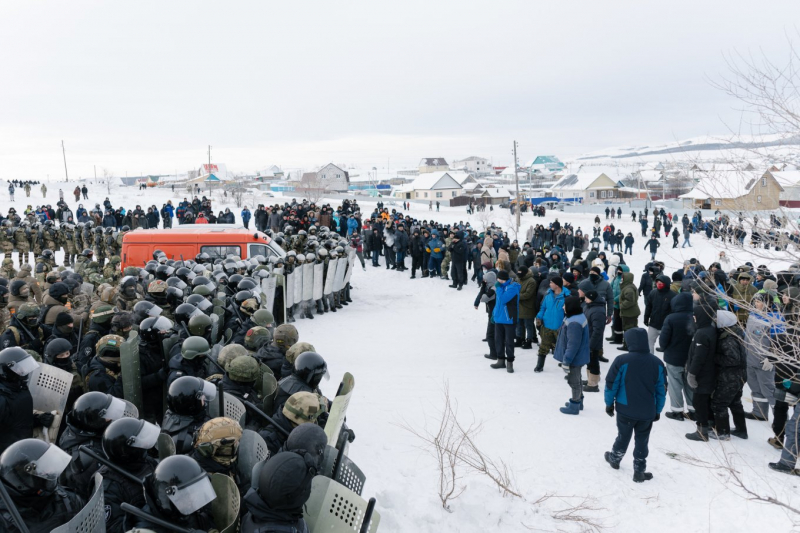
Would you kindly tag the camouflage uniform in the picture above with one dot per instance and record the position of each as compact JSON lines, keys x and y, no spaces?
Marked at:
{"x":23,"y":243}
{"x":446,"y":262}
{"x":51,"y":238}
{"x":87,"y":238}
{"x":126,"y":304}
{"x":78,"y":235}
{"x":37,"y":241}
{"x":112,"y":272}
{"x":5,"y":318}
{"x":99,"y":247}
{"x":113,"y":243}
{"x":67,"y":235}
{"x":7,"y":270}
{"x":25,"y":275}
{"x":42,"y":268}
{"x":7,"y":240}
{"x":80,"y":264}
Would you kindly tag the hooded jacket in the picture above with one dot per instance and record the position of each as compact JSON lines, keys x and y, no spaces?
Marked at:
{"x":677,"y":330}
{"x":596,"y":318}
{"x":628,"y":297}
{"x":700,"y":360}
{"x":551,"y":312}
{"x":527,"y":296}
{"x":506,"y":309}
{"x":657,"y":304}
{"x":637,"y":380}
{"x":572,"y":345}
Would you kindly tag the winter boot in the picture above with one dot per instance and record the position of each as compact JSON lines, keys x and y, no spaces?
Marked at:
{"x":490,"y":356}
{"x":775,"y":442}
{"x":593,"y":383}
{"x":573,"y":408}
{"x":753,"y":415}
{"x":424,"y":273}
{"x":641,"y":477}
{"x":722,"y":431}
{"x":501,"y":363}
{"x":347,"y":293}
{"x":510,"y":367}
{"x":690,"y":415}
{"x":613,"y":460}
{"x":453,"y":285}
{"x":784,"y":469}
{"x":413,"y":276}
{"x":740,"y":426}
{"x":460,"y":286}
{"x":540,"y":364}
{"x":528,"y":344}
{"x":517,"y":342}
{"x":566,"y":404}
{"x":601,"y":358}
{"x":320,"y":308}
{"x":675,"y":415}
{"x":701,"y":435}
{"x":330,"y":301}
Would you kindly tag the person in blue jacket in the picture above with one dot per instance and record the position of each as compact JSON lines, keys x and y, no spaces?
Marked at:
{"x":550,"y":317}
{"x":352,"y":225}
{"x":505,"y":316}
{"x":436,"y":250}
{"x":246,"y":215}
{"x":636,"y":385}
{"x":572,"y":350}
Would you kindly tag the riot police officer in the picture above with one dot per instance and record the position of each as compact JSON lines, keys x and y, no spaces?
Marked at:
{"x":152,"y":333}
{"x":273,"y":355}
{"x":300,"y":408}
{"x":16,"y":404}
{"x":191,"y":361}
{"x":104,"y":372}
{"x":309,"y":369}
{"x":187,"y":400}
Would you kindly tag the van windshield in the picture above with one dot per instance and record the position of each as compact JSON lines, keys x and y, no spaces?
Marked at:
{"x":221,"y":252}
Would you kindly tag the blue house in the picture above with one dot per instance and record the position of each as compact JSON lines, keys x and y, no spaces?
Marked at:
{"x":546,"y":163}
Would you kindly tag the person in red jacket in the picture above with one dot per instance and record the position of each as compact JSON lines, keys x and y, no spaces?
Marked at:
{"x":201,"y":219}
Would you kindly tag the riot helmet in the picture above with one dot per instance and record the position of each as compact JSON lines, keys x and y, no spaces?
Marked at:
{"x":154,"y":329}
{"x":310,"y":368}
{"x":194,"y":347}
{"x":94,"y":411}
{"x":200,"y":325}
{"x":145,"y":309}
{"x":179,"y":486}
{"x":32,"y":467}
{"x":16,"y":364}
{"x":201,"y":303}
{"x":188,"y":395}
{"x":127,"y":440}
{"x":127,"y":286}
{"x":184,"y":312}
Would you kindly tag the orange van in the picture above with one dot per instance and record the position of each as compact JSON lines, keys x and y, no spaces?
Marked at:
{"x":216,"y":240}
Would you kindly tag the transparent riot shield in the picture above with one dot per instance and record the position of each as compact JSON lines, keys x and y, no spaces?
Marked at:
{"x":268,"y":287}
{"x":308,"y":282}
{"x":329,"y":277}
{"x":90,"y":519}
{"x":165,"y":446}
{"x":341,"y":269}
{"x":49,"y":387}
{"x":319,"y":282}
{"x":225,"y":507}
{"x":351,"y":261}
{"x":252,"y":449}
{"x":289,"y":292}
{"x":298,"y":284}
{"x":130,"y":369}
{"x":279,"y":307}
{"x":334,"y":508}
{"x":269,"y":387}
{"x":215,"y":327}
{"x":339,"y":408}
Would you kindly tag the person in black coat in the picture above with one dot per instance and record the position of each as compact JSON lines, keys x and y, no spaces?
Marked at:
{"x":486,"y":295}
{"x":458,"y":261}
{"x":700,"y":366}
{"x":417,"y":247}
{"x":676,"y":339}
{"x":657,"y":308}
{"x":595,"y":310}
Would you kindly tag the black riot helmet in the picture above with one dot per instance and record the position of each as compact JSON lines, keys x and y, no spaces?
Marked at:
{"x":185,"y":275}
{"x":233,"y":281}
{"x":201,"y":303}
{"x":229,"y":267}
{"x":177,"y":283}
{"x":174,"y":296}
{"x":95,"y":410}
{"x":163,"y":272}
{"x":240,"y":297}
{"x":127,"y":286}
{"x":184,"y":312}
{"x":31,"y":467}
{"x":16,"y":364}
{"x":202,"y":258}
{"x":154,"y":329}
{"x":246,"y":284}
{"x":157,"y":253}
{"x":127,"y":440}
{"x":189,"y":395}
{"x":151,"y":267}
{"x":310,"y":367}
{"x":180,"y":487}
{"x":145,"y":309}
{"x":200,"y":280}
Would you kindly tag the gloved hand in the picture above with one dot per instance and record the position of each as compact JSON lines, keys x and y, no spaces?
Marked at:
{"x":610,"y":410}
{"x":691,"y":379}
{"x":538,"y":322}
{"x":351,"y":435}
{"x":162,"y":374}
{"x":609,"y":320}
{"x":787,"y":384}
{"x":646,"y":321}
{"x":767,"y":365}
{"x":791,"y":399}
{"x":657,"y":418}
{"x":45,"y":420}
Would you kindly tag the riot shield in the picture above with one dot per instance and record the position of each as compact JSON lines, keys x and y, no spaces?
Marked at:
{"x":225,"y":507}
{"x":319,"y":270}
{"x":348,"y":475}
{"x":289,"y":292}
{"x":334,"y":508}
{"x":329,"y":277}
{"x":269,"y":386}
{"x":252,"y":449}
{"x":279,"y":306}
{"x":234,"y":409}
{"x":217,"y":302}
{"x":215,"y":327}
{"x":90,"y":519}
{"x":308,"y":281}
{"x":129,"y":367}
{"x":351,"y":261}
{"x":268,"y":287}
{"x":297,"y":297}
{"x":49,"y":386}
{"x":339,"y":408}
{"x":341,"y":268}
{"x":165,"y":446}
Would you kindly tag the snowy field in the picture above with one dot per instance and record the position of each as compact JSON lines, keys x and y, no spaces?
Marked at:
{"x":404,"y":340}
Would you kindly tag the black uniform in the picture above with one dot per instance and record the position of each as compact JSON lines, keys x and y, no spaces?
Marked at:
{"x":78,"y":475}
{"x":179,"y":367}
{"x":151,"y":368}
{"x":104,"y":377}
{"x":86,"y":350}
{"x":245,"y":392}
{"x":118,"y":489}
{"x":181,"y":428}
{"x":273,"y":357}
{"x":16,"y":413}
{"x":30,"y":338}
{"x":240,"y":331}
{"x":274,"y":437}
{"x":41,"y":514}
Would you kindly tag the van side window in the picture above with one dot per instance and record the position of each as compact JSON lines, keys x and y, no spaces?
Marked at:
{"x":257,"y":249}
{"x":221,"y":251}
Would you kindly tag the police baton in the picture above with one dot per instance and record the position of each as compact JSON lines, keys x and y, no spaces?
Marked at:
{"x":367,"y":516}
{"x":221,"y":394}
{"x":12,"y":509}
{"x":102,"y":460}
{"x":130,"y":509}
{"x":265,"y":416}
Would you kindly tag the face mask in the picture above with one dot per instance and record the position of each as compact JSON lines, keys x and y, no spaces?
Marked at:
{"x":594,"y":276}
{"x":660,"y":285}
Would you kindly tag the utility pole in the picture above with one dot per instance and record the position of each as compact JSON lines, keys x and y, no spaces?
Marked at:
{"x":95,"y":173}
{"x":209,"y":159}
{"x":64,"y":152}
{"x":516,"y":182}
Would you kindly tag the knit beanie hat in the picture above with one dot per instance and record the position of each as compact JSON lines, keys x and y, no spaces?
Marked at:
{"x":591,"y":295}
{"x":62,"y":319}
{"x":557,"y":280}
{"x":502,"y":275}
{"x":569,"y":277}
{"x":572,"y":305}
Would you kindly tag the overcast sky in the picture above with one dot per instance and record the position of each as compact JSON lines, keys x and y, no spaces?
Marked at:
{"x":145,"y":86}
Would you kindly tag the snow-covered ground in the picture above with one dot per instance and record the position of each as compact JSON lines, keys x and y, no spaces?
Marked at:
{"x":404,"y":340}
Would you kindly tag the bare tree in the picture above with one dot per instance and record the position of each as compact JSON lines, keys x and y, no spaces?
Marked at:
{"x":313,"y":187}
{"x":108,"y":176}
{"x":238,"y":196}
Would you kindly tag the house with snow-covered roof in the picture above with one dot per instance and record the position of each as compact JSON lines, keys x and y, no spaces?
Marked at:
{"x":433,"y":164}
{"x":585,"y":187}
{"x":330,"y":178}
{"x":479,"y":166}
{"x":735,"y":191}
{"x":789,"y":180}
{"x":433,"y":186}
{"x":546,"y":163}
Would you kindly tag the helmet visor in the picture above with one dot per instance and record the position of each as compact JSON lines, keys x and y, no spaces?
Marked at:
{"x":209,"y":391}
{"x":180,"y":284}
{"x":147,"y":436}
{"x":191,"y":496}
{"x":24,"y":366}
{"x":50,"y":465}
{"x":114,"y":411}
{"x":154,"y":311}
{"x":204,"y":305}
{"x":196,"y":312}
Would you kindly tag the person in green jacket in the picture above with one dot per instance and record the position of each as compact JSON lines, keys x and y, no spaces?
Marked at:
{"x":628,"y":305}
